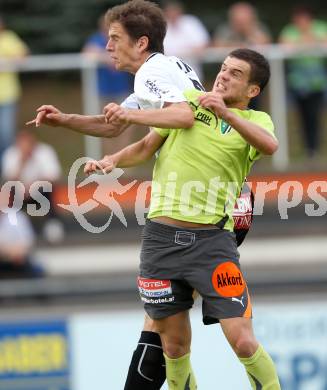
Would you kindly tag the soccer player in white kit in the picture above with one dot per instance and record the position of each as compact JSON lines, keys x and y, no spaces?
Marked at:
{"x":136,"y":33}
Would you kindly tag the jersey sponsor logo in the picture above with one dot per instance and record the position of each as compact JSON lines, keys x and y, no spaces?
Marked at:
{"x":225,"y":128}
{"x":154,"y":287}
{"x":228,"y":281}
{"x":153,"y":88}
{"x":203,"y":117}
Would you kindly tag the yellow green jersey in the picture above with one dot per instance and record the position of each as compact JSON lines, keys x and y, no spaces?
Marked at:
{"x":200,"y":171}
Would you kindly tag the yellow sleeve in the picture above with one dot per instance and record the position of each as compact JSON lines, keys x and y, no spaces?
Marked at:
{"x":12,"y":46}
{"x":162,"y":132}
{"x":263,"y":120}
{"x":191,"y":96}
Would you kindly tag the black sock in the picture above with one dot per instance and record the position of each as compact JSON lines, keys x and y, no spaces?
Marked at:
{"x":147,"y":370}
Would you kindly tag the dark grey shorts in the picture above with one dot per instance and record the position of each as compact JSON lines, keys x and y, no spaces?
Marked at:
{"x":175,"y":262}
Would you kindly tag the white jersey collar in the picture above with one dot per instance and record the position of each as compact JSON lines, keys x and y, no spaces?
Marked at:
{"x":151,"y":56}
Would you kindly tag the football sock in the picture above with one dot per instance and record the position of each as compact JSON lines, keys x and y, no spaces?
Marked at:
{"x":147,"y":368}
{"x":180,"y":374}
{"x":261,"y":370}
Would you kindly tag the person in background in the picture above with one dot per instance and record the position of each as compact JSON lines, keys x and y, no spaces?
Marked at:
{"x":307,"y":78}
{"x":30,"y":161}
{"x":113,"y":85}
{"x":242,"y":29}
{"x":186,"y":35}
{"x":11,"y":48}
{"x":17,"y":240}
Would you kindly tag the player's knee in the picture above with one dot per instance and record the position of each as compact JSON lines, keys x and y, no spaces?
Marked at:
{"x":245,"y":345}
{"x":174,"y":351}
{"x":176,"y":345}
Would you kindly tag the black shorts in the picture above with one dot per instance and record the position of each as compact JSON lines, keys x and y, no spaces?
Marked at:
{"x":176,"y":261}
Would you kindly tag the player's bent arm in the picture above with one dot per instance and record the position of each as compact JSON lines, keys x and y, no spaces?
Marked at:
{"x":173,"y":116}
{"x":139,"y":152}
{"x":132,"y":155}
{"x":254,"y":134}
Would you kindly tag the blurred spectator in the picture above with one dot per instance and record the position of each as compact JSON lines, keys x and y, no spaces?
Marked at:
{"x":29,"y":161}
{"x":17,"y":241}
{"x":186,"y":35}
{"x":243,"y":28}
{"x":113,"y":85}
{"x":11,"y":48}
{"x":307,"y":77}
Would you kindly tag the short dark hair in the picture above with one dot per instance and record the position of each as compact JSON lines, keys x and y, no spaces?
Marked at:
{"x":260,"y":68}
{"x":302,"y":9}
{"x":141,"y":18}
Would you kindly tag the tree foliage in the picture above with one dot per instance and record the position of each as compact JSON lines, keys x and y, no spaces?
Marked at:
{"x":53,"y":26}
{"x":56,"y":26}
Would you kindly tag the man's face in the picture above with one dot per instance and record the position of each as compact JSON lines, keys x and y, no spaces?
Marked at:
{"x":121,"y":48}
{"x":232,"y":82}
{"x":303,"y":21}
{"x":26,"y":143}
{"x":242,"y":18}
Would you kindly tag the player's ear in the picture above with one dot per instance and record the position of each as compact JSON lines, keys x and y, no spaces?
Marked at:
{"x":143,"y":43}
{"x":253,"y":91}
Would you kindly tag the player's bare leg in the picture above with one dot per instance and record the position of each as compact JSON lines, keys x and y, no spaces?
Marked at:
{"x":175,"y":333}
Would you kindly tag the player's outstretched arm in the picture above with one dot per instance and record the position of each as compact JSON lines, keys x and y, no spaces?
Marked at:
{"x":94,"y":125}
{"x":132,"y":155}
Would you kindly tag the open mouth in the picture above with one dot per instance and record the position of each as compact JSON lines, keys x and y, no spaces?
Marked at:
{"x":220,"y":87}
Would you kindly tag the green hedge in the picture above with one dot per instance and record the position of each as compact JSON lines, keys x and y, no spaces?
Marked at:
{"x":54,"y":26}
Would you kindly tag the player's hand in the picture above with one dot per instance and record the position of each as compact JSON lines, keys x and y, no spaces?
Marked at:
{"x":106,"y":165}
{"x":48,"y":115}
{"x":214,"y":102}
{"x":116,"y":114}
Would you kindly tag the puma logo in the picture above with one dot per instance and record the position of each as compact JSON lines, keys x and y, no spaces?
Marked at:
{"x":187,"y":384}
{"x":258,"y":385}
{"x":238,"y":300}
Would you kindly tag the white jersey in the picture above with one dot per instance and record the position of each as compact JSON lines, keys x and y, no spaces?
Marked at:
{"x":159,"y":80}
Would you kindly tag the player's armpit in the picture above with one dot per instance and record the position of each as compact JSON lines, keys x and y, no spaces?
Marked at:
{"x":152,"y":142}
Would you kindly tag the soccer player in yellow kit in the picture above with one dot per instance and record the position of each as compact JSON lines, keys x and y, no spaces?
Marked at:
{"x":188,"y":241}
